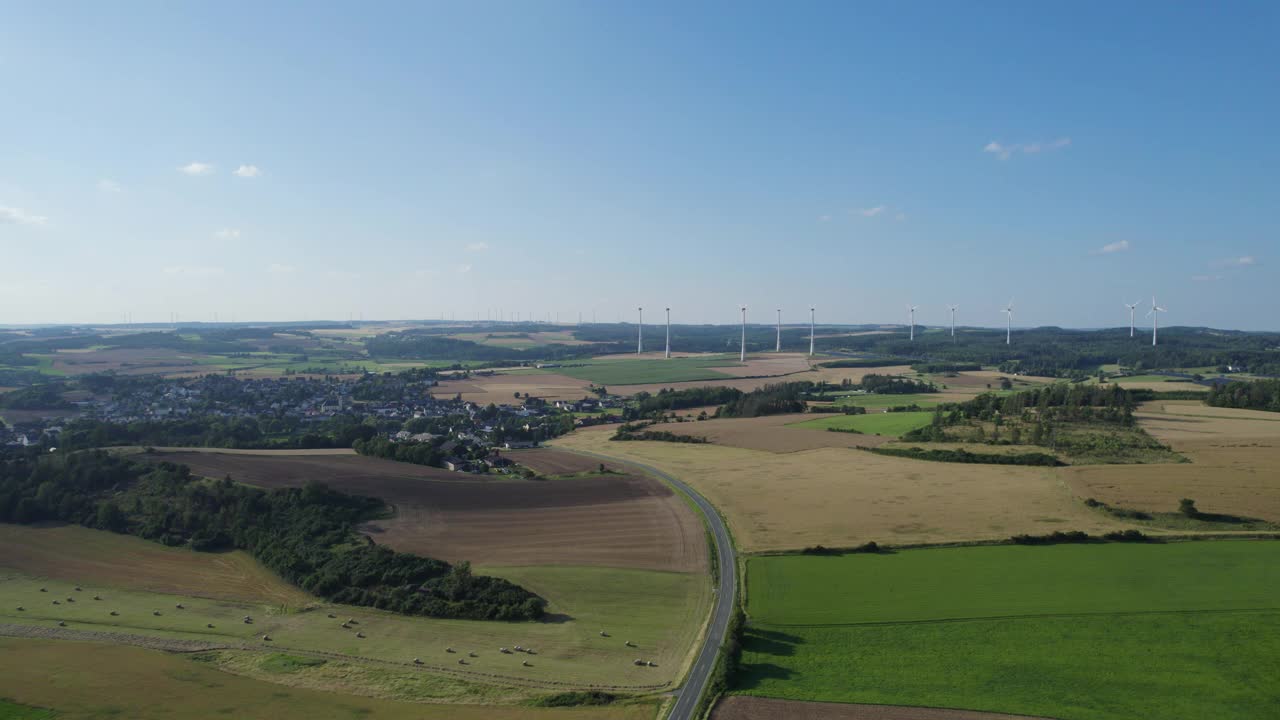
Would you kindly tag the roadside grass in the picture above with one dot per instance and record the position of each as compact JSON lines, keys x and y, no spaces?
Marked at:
{"x":92,"y":680}
{"x":1179,"y":631}
{"x":874,"y":423}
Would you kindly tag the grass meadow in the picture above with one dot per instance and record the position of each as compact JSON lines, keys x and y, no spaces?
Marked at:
{"x":872,"y":423}
{"x":1177,"y":631}
{"x":78,"y":680}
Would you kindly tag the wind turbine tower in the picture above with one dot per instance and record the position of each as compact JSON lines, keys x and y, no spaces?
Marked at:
{"x":810,"y":332}
{"x":742,"y":355}
{"x":1008,"y":332}
{"x":953,"y":321}
{"x":1132,"y":307}
{"x":1154,"y":314}
{"x":667,"y":355}
{"x":778,"y":346}
{"x":911,"y":310}
{"x":640,"y":332}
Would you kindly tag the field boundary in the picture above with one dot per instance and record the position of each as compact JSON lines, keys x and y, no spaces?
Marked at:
{"x":1208,"y":536}
{"x":1027,"y":616}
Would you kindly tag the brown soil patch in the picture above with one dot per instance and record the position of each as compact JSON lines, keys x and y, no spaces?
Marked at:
{"x":77,"y":554}
{"x":771,"y":433}
{"x":611,"y":520}
{"x":1234,"y":468}
{"x":742,"y":707}
{"x":127,"y":361}
{"x":500,"y":389}
{"x":774,"y":364}
{"x":550,"y":461}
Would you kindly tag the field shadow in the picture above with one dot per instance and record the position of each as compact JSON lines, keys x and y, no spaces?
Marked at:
{"x":770,"y":642}
{"x":556,"y":618}
{"x":753,"y":675}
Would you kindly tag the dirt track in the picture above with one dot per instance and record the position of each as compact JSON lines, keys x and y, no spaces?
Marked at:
{"x":611,"y":520}
{"x":741,"y":707}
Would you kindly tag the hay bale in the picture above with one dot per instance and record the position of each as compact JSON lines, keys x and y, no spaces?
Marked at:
{"x":44,"y":590}
{"x":77,"y":588}
{"x":156,"y":613}
{"x":359,"y":634}
{"x":209,"y":625}
{"x":61,"y":624}
{"x":114,"y":613}
{"x":21,"y":609}
{"x":97,"y":597}
{"x":449,"y":650}
{"x":55,"y":602}
{"x":524,"y":663}
{"x":179,"y":606}
{"x":417,"y":661}
{"x":266,"y":638}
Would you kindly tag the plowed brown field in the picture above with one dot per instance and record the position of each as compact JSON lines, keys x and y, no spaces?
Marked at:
{"x":741,"y":707}
{"x":612,"y":520}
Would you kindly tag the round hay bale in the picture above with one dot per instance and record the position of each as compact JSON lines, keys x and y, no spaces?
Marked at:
{"x":114,"y":613}
{"x":417,"y":661}
{"x":209,"y":625}
{"x":61,"y":624}
{"x":55,"y":602}
{"x":20,"y":608}
{"x":156,"y":613}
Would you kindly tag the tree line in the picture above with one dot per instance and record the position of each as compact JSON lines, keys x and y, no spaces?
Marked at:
{"x":306,"y":535}
{"x":1252,"y":395}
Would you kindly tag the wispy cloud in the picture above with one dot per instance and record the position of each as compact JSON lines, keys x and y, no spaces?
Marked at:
{"x":110,"y":186}
{"x":1006,"y":151}
{"x":1115,"y":247}
{"x":1241,"y":261}
{"x":477,"y":246}
{"x":281,"y":269}
{"x":1206,"y":278}
{"x":824,"y":218}
{"x":196,"y":168}
{"x":226,"y":234}
{"x":871,"y":211}
{"x":248,"y":171}
{"x":462,"y":269}
{"x":18,"y":216}
{"x":193,"y":270}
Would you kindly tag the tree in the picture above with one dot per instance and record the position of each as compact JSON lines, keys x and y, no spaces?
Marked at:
{"x":1187,"y":507}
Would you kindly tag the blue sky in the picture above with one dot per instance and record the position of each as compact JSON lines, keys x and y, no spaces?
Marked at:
{"x":312,"y":161}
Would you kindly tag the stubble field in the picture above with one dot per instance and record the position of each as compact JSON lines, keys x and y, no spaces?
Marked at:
{"x":842,"y":497}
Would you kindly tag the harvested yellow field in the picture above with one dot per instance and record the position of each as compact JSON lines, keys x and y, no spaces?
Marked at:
{"x":843,"y":497}
{"x":1234,"y":468}
{"x":501,"y":388}
{"x":771,"y":433}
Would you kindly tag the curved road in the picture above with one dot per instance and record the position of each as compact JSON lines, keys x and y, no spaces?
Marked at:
{"x":696,"y":683}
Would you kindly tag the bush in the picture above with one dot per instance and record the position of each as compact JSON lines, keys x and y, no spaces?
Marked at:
{"x":1055,"y":538}
{"x":575,"y":698}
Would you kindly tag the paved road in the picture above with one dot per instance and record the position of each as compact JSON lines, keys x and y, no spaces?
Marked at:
{"x":696,"y":683}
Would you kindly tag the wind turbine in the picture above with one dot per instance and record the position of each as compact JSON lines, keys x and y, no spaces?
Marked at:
{"x":742,"y":355}
{"x":953,"y":321}
{"x":668,"y":353}
{"x":1154,"y":314}
{"x":778,"y":347}
{"x":810,"y":332}
{"x":911,"y":310}
{"x":1008,"y":332}
{"x":1131,"y":309}
{"x":640,"y":332}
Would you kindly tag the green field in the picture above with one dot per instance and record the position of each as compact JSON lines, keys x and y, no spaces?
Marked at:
{"x":642,"y":372}
{"x":661,"y":612}
{"x":1077,"y":632}
{"x":83,"y":681}
{"x":873,"y":423}
{"x":884,"y":401}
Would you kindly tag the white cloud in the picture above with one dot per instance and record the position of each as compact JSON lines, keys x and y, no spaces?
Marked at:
{"x":193,"y":270}
{"x":1242,"y":261}
{"x":109,"y":186}
{"x":871,"y":211}
{"x":477,"y":246}
{"x":197,"y":168}
{"x":248,"y":171}
{"x":18,"y":216}
{"x":1115,"y":247}
{"x":226,"y":234}
{"x":824,"y":218}
{"x":1206,"y":278}
{"x":281,"y":269}
{"x":462,"y":269}
{"x":1004,"y":152}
